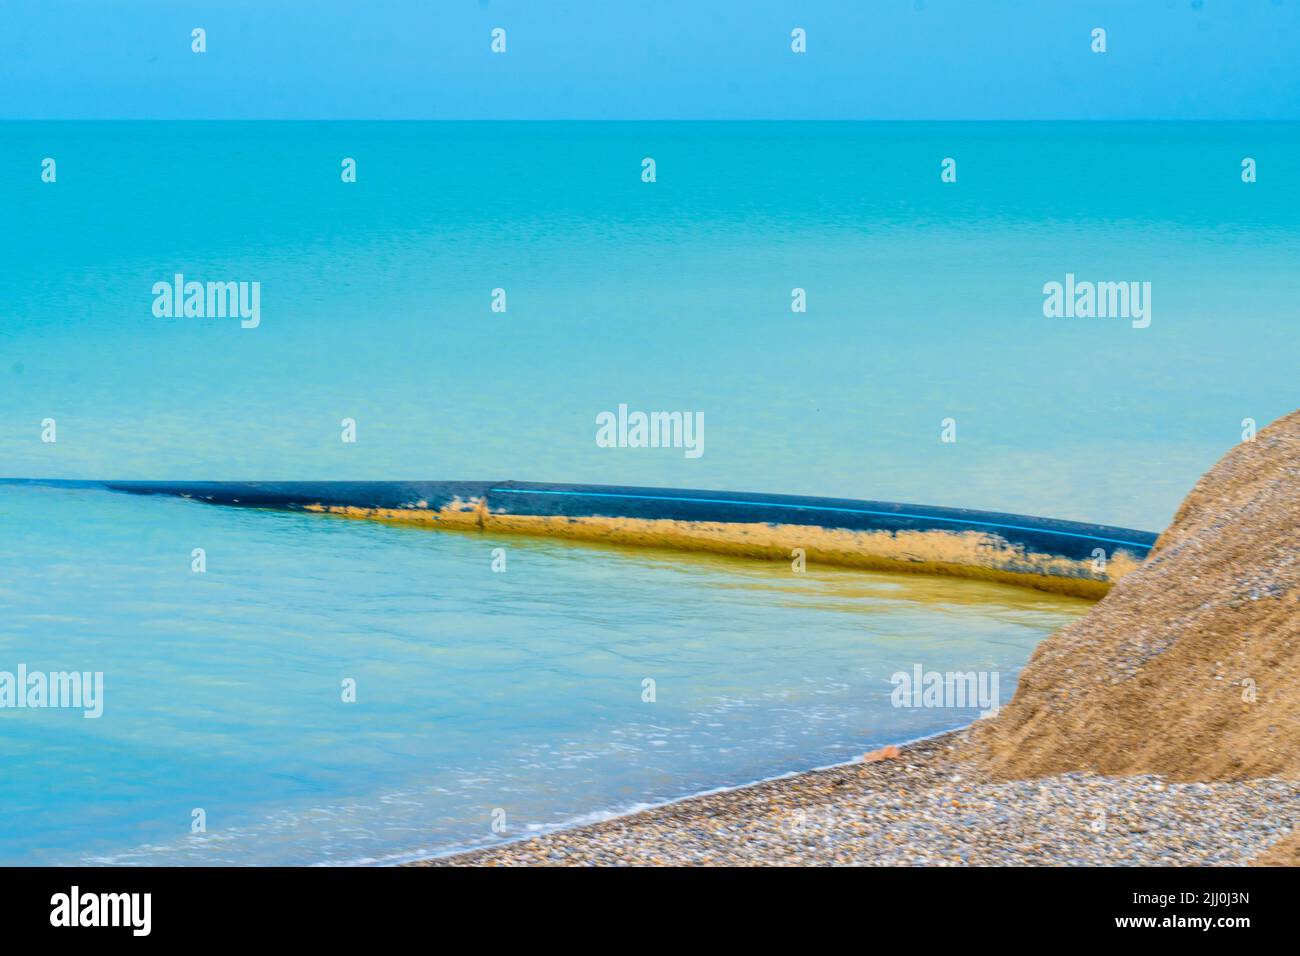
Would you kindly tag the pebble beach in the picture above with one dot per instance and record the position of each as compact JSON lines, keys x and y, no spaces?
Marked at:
{"x":925,"y":807}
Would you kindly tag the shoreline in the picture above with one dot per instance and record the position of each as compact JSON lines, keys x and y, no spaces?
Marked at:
{"x":927,"y":807}
{"x":598,"y":817}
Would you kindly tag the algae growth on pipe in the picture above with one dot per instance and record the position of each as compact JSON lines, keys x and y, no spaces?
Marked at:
{"x":1062,"y":556}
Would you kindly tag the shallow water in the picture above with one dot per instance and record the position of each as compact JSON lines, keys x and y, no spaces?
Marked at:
{"x":476,"y":691}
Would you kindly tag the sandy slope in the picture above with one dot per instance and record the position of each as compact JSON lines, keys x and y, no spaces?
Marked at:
{"x":1190,"y":667}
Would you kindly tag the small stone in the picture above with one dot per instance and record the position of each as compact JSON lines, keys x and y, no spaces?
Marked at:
{"x":884,"y":753}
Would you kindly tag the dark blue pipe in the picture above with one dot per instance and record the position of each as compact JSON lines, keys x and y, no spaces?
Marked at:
{"x":1069,"y":539}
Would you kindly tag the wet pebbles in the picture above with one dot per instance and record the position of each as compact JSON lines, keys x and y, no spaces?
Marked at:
{"x":924,"y":808}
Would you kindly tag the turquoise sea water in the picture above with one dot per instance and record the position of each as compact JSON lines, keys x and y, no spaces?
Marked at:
{"x":924,"y":302}
{"x":475,"y":691}
{"x":522,"y":691}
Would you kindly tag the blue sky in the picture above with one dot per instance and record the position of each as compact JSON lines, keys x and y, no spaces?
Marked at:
{"x":663,"y":59}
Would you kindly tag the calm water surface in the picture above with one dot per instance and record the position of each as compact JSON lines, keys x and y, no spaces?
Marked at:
{"x":475,"y":690}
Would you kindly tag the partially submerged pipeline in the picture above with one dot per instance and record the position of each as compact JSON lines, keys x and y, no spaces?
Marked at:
{"x":1061,"y":556}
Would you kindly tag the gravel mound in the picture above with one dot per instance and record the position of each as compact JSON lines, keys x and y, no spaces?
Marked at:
{"x":1190,"y":667}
